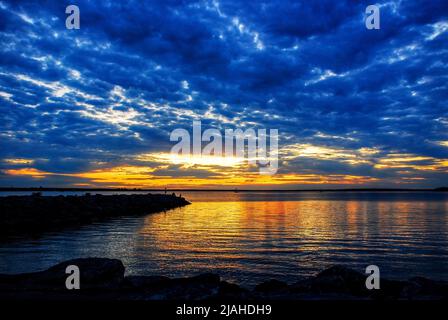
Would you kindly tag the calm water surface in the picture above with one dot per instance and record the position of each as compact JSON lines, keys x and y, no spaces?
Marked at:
{"x":250,"y":237}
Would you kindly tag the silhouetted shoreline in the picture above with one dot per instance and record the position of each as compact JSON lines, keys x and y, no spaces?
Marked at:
{"x":104,"y":279}
{"x":34,"y":214}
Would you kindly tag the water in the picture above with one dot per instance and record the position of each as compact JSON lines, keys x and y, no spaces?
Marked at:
{"x":251,"y":237}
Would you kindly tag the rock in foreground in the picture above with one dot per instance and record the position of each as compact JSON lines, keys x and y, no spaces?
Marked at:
{"x":104,"y":279}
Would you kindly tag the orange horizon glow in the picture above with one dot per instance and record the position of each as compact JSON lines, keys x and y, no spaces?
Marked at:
{"x":161,"y":170}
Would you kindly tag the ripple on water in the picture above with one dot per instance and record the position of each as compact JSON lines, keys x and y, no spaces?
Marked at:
{"x":248,"y":238}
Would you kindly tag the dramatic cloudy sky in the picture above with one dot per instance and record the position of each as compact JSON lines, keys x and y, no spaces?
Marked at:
{"x":95,"y":106}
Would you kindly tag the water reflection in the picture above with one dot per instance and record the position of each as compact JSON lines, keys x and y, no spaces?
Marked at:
{"x":261,"y":238}
{"x":278,"y":239}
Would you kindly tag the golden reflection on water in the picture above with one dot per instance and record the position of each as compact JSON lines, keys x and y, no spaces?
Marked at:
{"x":260,"y":236}
{"x":252,"y":237}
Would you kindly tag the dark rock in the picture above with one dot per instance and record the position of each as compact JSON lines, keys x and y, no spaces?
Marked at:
{"x":271,"y":286}
{"x":205,"y":278}
{"x":103,"y":279}
{"x":94,"y":273}
{"x":142,"y":282}
{"x":199,"y":287}
{"x":302,"y":286}
{"x":338,"y":279}
{"x":422,"y":288}
{"x":389,"y":289}
{"x":231,"y":289}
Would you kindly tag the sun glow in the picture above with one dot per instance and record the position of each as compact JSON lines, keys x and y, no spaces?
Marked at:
{"x":160,"y":170}
{"x":35,"y":173}
{"x":146,"y":177}
{"x":18,"y":161}
{"x":410,"y":161}
{"x":193,"y":160}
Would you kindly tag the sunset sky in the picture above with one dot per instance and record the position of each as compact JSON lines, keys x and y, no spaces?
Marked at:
{"x":95,"y":107}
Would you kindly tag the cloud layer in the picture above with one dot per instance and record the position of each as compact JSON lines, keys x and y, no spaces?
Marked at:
{"x":95,"y":106}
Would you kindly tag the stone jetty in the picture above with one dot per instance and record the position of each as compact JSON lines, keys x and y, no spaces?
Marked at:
{"x":34,"y":214}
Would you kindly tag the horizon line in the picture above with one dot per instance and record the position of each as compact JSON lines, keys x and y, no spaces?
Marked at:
{"x":5,"y":189}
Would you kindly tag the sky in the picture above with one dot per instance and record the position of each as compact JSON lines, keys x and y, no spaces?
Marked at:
{"x":95,"y":107}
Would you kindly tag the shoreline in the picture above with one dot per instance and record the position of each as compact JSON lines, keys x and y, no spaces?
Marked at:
{"x":41,"y":189}
{"x":104,"y":279}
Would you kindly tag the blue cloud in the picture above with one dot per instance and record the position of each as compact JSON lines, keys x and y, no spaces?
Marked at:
{"x":136,"y":70}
